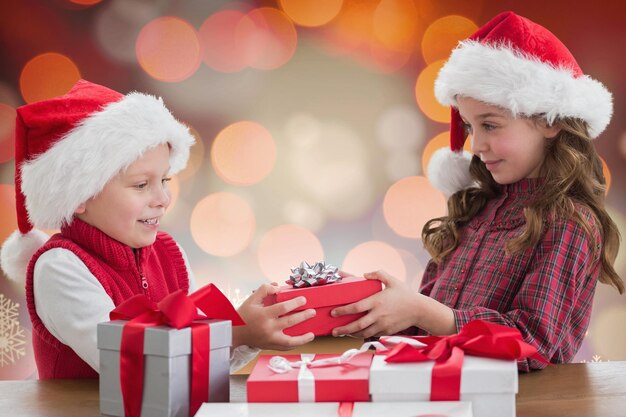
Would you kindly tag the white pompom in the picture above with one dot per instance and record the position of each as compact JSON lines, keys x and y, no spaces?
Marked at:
{"x":17,"y":251}
{"x":448,"y":171}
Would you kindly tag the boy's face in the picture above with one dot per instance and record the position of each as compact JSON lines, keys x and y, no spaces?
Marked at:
{"x":130,"y":206}
{"x":512,"y":148}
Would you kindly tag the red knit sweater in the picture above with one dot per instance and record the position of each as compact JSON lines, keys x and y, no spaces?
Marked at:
{"x":155,"y":271}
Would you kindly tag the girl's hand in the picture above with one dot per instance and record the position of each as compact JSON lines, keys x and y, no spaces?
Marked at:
{"x":264,"y":326}
{"x":395,"y":308}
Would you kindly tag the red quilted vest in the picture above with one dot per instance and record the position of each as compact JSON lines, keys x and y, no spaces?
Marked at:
{"x":122,"y":273}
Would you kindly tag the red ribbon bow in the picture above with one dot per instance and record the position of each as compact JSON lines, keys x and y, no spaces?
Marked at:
{"x":177,"y":310}
{"x":477,"y":338}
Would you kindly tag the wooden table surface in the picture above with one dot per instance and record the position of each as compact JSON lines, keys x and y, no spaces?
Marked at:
{"x":572,"y":390}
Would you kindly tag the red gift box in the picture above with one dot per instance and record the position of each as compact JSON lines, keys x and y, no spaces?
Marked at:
{"x":323,"y":299}
{"x":340,"y":382}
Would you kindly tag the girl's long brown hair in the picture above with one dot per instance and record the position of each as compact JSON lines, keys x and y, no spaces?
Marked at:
{"x":573,"y":173}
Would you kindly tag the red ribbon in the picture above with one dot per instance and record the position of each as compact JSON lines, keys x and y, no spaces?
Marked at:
{"x":177,"y":310}
{"x":477,"y":338}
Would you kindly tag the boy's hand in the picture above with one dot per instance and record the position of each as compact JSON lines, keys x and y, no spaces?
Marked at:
{"x":264,"y":326}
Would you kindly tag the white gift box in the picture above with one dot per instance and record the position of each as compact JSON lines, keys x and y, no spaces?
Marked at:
{"x":489,"y":384}
{"x":361,"y":409}
{"x":167,"y":367}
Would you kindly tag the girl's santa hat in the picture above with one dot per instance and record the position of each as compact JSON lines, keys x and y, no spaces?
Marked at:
{"x":516,"y":64}
{"x":68,"y":148}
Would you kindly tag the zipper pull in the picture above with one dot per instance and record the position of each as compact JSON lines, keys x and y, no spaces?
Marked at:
{"x":144,"y":281}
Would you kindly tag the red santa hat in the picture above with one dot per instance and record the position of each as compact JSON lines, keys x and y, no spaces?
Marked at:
{"x":516,"y":64}
{"x":68,"y":148}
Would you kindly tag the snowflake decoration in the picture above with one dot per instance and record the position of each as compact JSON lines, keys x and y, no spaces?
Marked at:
{"x":8,"y":311}
{"x":595,"y":359}
{"x":237,"y":299}
{"x":12,"y":337}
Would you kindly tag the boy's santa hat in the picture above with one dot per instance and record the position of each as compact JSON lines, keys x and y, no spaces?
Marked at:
{"x":516,"y":64}
{"x":68,"y":148}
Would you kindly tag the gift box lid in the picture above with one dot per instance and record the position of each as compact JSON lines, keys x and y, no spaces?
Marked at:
{"x":346,"y":291}
{"x":480,"y":375}
{"x":330,"y":409}
{"x":165,"y":340}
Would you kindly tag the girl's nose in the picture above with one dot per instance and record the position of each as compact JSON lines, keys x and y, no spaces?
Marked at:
{"x":478,"y":145}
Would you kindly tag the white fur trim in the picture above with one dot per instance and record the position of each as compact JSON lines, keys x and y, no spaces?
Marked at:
{"x":448,"y":171}
{"x":78,"y":166}
{"x":17,"y":251}
{"x":506,"y":77}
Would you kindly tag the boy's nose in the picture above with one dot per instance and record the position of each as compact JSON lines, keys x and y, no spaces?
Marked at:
{"x":161,"y":197}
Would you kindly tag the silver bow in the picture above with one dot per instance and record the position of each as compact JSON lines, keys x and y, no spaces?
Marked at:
{"x":310,"y":276}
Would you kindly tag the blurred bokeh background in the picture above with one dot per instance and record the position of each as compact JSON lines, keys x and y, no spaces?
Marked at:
{"x":315,"y":121}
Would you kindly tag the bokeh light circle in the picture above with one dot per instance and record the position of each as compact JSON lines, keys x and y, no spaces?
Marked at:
{"x":8,"y":214}
{"x":7,"y":132}
{"x":410,"y":203}
{"x":311,"y":13}
{"x":402,"y":164}
{"x":243,"y":153}
{"x":373,"y":256}
{"x":401,"y":128}
{"x":425,"y":94}
{"x":48,"y":75}
{"x":168,"y":49}
{"x":393,"y":24}
{"x":268,"y":38}
{"x":222,"y":224}
{"x":220,"y":49}
{"x":442,"y":35}
{"x":332,"y":167}
{"x":303,"y":214}
{"x":196,"y":157}
{"x":284,"y":247}
{"x":442,"y":140}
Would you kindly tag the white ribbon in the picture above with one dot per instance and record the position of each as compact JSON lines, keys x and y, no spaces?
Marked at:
{"x":306,"y":380}
{"x":391,"y":341}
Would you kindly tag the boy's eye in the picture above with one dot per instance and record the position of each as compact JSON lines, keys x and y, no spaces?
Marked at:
{"x":166,"y":180}
{"x":141,"y":185}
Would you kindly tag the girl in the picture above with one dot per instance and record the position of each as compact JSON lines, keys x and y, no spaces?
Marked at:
{"x":527,"y":235}
{"x":95,"y":164}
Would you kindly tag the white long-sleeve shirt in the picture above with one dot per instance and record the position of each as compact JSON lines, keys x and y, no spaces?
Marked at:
{"x":70,"y":301}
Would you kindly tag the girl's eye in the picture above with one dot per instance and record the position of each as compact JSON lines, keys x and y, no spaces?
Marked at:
{"x":488,"y":126}
{"x":467,"y":128}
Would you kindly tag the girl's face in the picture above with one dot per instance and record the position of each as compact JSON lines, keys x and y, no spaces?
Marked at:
{"x":511,"y":148}
{"x":131,"y":205}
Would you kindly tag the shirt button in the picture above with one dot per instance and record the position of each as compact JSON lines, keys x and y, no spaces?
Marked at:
{"x":463,"y":270}
{"x":456,"y":288}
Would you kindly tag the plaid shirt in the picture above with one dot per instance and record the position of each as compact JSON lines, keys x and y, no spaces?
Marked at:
{"x":545,"y":291}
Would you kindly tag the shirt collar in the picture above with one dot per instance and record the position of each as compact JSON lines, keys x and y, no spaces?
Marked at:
{"x":524,"y":186}
{"x":101,"y":245}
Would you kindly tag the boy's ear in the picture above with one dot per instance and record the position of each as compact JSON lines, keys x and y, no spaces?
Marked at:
{"x":80,"y":209}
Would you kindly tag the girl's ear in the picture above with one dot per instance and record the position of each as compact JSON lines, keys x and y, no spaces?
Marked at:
{"x":549,"y":132}
{"x":80,"y":209}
